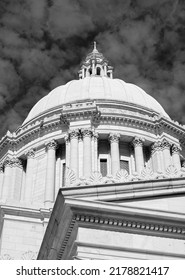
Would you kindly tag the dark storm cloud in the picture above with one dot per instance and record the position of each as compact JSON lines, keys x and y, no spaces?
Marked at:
{"x":42,"y":43}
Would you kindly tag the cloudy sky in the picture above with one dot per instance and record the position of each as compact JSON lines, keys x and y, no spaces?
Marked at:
{"x":42,"y":43}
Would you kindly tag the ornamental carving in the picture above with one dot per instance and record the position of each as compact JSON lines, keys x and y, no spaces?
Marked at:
{"x":30,"y":153}
{"x":172,"y":171}
{"x":70,"y":178}
{"x":175,"y":149}
{"x":74,"y":134}
{"x":86,"y":132}
{"x":147,"y":173}
{"x":122,"y":176}
{"x":157,"y":146}
{"x":114,"y":137}
{"x":165,"y":144}
{"x":6,"y":257}
{"x":95,"y":178}
{"x":67,"y":138}
{"x":96,"y":116}
{"x":29,"y":256}
{"x":64,"y":120}
{"x":138,"y":142}
{"x":16,"y":162}
{"x":95,"y":136}
{"x":51,"y":145}
{"x":1,"y":168}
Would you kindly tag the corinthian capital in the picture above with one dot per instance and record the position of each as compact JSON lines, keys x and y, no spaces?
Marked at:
{"x":86,"y":132}
{"x":30,"y":153}
{"x":175,"y":149}
{"x":114,"y":137}
{"x":1,"y":167}
{"x":51,"y":145}
{"x":165,"y":144}
{"x":74,"y":134}
{"x":156,"y":147}
{"x":138,"y":141}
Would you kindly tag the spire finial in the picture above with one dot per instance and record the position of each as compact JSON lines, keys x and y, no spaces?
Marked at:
{"x":94,"y":46}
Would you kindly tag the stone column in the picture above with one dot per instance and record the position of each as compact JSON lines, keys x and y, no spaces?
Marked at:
{"x":176,"y":156}
{"x":114,"y":149}
{"x":50,"y":173}
{"x":87,"y":159}
{"x":74,"y":134}
{"x":67,"y":142}
{"x":156,"y":158}
{"x":1,"y":179}
{"x":138,"y":151}
{"x":95,"y":137}
{"x":29,"y":175}
{"x":7,"y":178}
{"x":166,"y":153}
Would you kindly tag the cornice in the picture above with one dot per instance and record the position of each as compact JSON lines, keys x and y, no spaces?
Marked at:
{"x":128,"y":222}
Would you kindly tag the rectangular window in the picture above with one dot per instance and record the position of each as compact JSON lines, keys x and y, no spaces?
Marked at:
{"x":63,"y":174}
{"x":124,"y":164}
{"x":103,"y":167}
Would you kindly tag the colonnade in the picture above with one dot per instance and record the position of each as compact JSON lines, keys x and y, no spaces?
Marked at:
{"x":163,"y":154}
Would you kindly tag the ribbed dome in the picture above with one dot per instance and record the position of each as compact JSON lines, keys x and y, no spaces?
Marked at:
{"x":95,"y":88}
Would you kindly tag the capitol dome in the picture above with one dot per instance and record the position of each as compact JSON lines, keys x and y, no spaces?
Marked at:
{"x":96,"y":88}
{"x":96,"y":139}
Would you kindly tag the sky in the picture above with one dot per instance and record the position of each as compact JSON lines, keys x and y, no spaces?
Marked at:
{"x":43,"y":42}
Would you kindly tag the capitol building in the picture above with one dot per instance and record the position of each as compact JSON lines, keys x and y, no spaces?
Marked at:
{"x":96,"y":171}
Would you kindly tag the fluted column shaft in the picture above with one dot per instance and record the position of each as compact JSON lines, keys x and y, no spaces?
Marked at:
{"x":138,"y":151}
{"x":50,"y":173}
{"x":176,"y":156}
{"x":7,"y":177}
{"x":166,"y":153}
{"x":67,"y":156}
{"x":114,"y":149}
{"x":156,"y":157}
{"x":1,"y":179}
{"x":74,"y":134}
{"x":29,"y":174}
{"x":87,"y":156}
{"x":95,"y":136}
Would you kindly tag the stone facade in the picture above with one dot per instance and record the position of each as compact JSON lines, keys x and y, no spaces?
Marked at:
{"x":94,"y":145}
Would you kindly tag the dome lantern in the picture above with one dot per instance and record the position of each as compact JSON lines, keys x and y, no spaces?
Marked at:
{"x":95,"y":64}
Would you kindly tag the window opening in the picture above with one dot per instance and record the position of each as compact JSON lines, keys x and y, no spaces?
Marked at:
{"x":103,"y":167}
{"x":124,"y":164}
